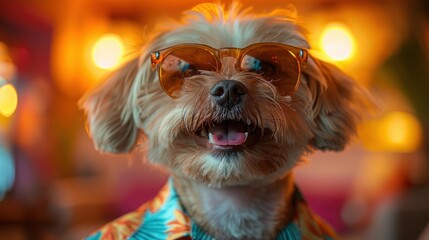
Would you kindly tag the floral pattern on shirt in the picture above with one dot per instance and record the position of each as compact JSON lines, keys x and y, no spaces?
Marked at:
{"x":164,"y":218}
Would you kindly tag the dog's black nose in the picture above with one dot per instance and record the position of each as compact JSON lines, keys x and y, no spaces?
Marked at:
{"x":228,"y":93}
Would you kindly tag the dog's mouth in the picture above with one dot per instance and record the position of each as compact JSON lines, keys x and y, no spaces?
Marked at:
{"x":228,"y":135}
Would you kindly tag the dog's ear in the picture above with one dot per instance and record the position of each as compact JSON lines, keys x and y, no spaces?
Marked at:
{"x":110,"y":121}
{"x":338,"y":103}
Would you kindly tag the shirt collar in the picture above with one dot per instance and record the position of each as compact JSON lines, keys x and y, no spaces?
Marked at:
{"x":166,"y":210}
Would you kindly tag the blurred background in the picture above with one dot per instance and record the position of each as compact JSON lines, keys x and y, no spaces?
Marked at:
{"x":54,"y":185}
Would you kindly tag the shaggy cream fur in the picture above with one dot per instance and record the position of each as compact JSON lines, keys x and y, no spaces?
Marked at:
{"x":229,"y":193}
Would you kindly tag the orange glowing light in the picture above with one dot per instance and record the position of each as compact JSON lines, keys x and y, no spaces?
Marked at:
{"x":396,"y":132}
{"x":8,"y":100}
{"x":107,"y":51}
{"x":337,"y":42}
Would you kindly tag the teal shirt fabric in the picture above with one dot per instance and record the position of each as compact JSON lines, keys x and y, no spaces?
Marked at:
{"x":167,"y":222}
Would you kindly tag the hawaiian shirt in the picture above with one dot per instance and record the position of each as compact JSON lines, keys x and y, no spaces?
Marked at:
{"x":164,"y":218}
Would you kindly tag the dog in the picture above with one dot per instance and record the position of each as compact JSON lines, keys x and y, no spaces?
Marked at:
{"x":228,"y":101}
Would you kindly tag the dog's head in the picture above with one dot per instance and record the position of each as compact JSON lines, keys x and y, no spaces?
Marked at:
{"x":225,"y":97}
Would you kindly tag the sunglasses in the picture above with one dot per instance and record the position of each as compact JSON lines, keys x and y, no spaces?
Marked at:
{"x":276,"y":63}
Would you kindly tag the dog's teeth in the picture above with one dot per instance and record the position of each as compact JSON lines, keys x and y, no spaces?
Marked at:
{"x":211,"y":141}
{"x":246,"y":134}
{"x":248,"y":122}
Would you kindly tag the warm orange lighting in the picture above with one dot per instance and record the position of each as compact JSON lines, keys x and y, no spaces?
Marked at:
{"x":395,"y":132}
{"x":107,"y":51}
{"x":337,"y":42}
{"x":403,"y":130}
{"x":8,"y":100}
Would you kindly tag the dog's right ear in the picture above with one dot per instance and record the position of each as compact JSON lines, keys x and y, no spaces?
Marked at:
{"x":339,"y":105}
{"x":110,"y":121}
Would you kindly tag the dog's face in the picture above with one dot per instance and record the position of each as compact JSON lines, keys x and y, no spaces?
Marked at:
{"x":225,"y":98}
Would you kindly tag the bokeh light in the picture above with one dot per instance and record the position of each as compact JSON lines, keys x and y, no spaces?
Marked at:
{"x":8,"y":100}
{"x":397,"y":132}
{"x":7,"y":171}
{"x":337,"y":42}
{"x":107,"y":51}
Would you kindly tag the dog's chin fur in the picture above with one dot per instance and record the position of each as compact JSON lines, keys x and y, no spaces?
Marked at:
{"x":322,"y":114}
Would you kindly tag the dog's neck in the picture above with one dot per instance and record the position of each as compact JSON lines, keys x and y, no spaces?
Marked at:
{"x":245,"y":212}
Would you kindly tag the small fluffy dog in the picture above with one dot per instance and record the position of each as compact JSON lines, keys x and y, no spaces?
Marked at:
{"x":229,"y":102}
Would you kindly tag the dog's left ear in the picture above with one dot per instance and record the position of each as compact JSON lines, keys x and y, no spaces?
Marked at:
{"x":338,"y":103}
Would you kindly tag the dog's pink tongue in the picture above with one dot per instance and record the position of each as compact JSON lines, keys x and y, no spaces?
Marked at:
{"x":228,"y":134}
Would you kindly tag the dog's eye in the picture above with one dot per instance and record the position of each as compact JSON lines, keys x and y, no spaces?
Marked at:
{"x":275,"y":64}
{"x":187,"y":70}
{"x":253,"y":64}
{"x":175,"y":66}
{"x":267,"y":69}
{"x":183,"y":63}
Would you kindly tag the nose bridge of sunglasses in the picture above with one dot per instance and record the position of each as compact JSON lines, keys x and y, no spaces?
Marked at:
{"x":228,"y":59}
{"x":229,"y":52}
{"x":228,"y":66}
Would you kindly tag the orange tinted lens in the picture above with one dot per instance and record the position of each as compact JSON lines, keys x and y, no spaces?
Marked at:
{"x":275,"y":64}
{"x":182,"y":64}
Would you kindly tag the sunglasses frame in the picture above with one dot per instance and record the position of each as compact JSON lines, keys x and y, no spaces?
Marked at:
{"x":299,"y":54}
